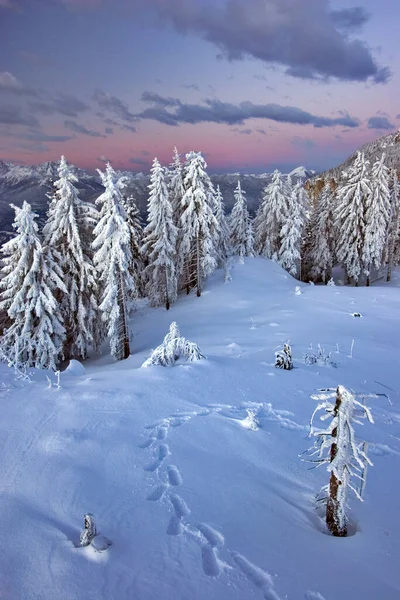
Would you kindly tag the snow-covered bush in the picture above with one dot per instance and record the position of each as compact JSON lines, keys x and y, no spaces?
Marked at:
{"x":331,"y":282}
{"x":173,"y":348}
{"x":284,"y":358}
{"x":318,"y":356}
{"x":336,"y":446}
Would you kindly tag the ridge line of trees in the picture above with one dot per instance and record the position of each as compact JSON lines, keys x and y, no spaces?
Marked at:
{"x":67,"y":288}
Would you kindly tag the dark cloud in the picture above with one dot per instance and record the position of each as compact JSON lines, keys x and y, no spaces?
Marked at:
{"x":11,"y":85}
{"x":350,"y":19}
{"x":261,"y":131}
{"x":155,"y":98}
{"x":63,"y":104}
{"x":242,"y":131}
{"x":306,"y":37}
{"x":39,"y":136}
{"x":113,"y":105}
{"x":13,"y":115}
{"x":215,"y":111}
{"x":380,"y":123}
{"x":74,"y":126}
{"x":109,"y":130}
{"x":191,"y":86}
{"x":128,"y":128}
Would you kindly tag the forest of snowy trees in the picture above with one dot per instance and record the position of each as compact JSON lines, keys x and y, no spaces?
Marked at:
{"x":67,"y":288}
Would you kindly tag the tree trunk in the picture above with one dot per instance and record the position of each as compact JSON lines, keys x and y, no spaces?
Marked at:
{"x":368,"y":282}
{"x":198,"y":274}
{"x":125,"y":350}
{"x":332,"y":505}
{"x":389,"y":272}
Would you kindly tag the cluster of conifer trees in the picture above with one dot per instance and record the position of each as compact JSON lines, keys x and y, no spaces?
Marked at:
{"x":67,"y":288}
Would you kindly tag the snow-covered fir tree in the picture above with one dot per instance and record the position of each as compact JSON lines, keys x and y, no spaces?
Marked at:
{"x":377,"y":212}
{"x":68,"y":222}
{"x":112,"y":259}
{"x":200,"y":230}
{"x":271,"y":217}
{"x":36,"y":334}
{"x":352,"y":195}
{"x":175,"y":186}
{"x":392,"y":249}
{"x":322,"y":237}
{"x":223,"y":246}
{"x":241,"y":227}
{"x":291,"y":235}
{"x":159,"y":244}
{"x":336,"y":446}
{"x":137,"y":263}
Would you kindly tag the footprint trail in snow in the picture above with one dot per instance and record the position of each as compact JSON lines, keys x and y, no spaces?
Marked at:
{"x":209,"y":539}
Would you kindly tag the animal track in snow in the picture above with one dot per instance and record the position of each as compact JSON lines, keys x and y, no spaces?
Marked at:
{"x":211,"y":564}
{"x":178,"y":421}
{"x":174,"y":476}
{"x":213,"y":537}
{"x":162,"y":433}
{"x":209,"y":539}
{"x":157,"y":493}
{"x":257,"y":576}
{"x":175,"y":526}
{"x":163,"y":451}
{"x":149,"y":442}
{"x":180,"y":507}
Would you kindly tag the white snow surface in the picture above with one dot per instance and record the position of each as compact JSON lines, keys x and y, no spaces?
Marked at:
{"x":196,"y":505}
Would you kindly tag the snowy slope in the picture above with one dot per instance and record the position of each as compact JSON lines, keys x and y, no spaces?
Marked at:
{"x":197,"y":506}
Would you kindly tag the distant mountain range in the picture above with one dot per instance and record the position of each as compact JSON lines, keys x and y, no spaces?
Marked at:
{"x":19,"y":183}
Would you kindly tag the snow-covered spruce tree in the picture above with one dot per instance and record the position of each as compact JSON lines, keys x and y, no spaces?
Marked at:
{"x":159,"y":244}
{"x":137,"y":265}
{"x":242,"y":239}
{"x":322,"y":240}
{"x":175,"y":186}
{"x":224,"y":246}
{"x":392,"y":249}
{"x":112,"y":259}
{"x":36,"y":334}
{"x":67,"y":222}
{"x":271,"y":217}
{"x":352,"y":196}
{"x":337,"y":447}
{"x":377,"y":214}
{"x":200,"y":230}
{"x":291,"y":235}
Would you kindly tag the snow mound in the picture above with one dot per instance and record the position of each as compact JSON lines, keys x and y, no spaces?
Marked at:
{"x":75,"y":368}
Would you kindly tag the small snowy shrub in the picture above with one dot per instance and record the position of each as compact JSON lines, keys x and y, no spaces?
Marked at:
{"x":89,"y":532}
{"x":336,"y":446}
{"x":173,"y":348}
{"x":284,"y":358}
{"x":331,"y":283}
{"x":251,"y":421}
{"x":297,"y":291}
{"x":318,"y":356}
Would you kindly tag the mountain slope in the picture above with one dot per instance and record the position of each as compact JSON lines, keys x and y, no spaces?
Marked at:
{"x":197,"y":505}
{"x":388,"y":144}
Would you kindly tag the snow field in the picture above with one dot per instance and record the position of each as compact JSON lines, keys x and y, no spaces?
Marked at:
{"x":197,"y":505}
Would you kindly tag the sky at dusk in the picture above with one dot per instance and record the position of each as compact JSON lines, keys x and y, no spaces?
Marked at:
{"x":254,"y":84}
